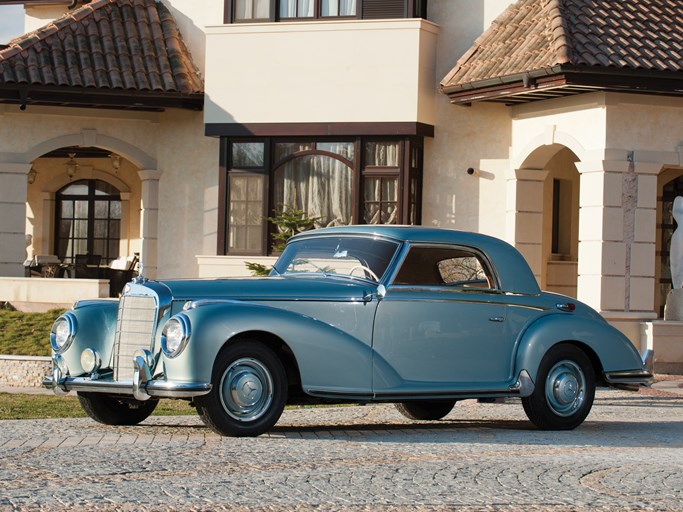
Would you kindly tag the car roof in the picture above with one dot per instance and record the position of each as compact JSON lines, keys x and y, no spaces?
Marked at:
{"x":513,"y":271}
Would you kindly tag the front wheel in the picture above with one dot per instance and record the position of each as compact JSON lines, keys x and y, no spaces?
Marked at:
{"x":565,"y":389}
{"x":249,"y":391}
{"x":425,"y":409}
{"x":116,"y":410}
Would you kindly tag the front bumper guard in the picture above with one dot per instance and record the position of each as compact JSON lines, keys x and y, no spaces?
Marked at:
{"x":143,"y":387}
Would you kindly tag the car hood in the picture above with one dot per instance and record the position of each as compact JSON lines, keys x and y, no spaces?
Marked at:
{"x":271,"y":288}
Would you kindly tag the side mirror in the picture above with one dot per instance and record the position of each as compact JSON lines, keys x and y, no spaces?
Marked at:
{"x":381,"y":292}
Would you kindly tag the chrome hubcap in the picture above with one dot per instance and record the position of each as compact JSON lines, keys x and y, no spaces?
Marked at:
{"x":246,"y":389}
{"x":565,"y":388}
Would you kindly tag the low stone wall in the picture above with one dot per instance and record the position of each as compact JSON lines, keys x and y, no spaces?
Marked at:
{"x":24,"y":371}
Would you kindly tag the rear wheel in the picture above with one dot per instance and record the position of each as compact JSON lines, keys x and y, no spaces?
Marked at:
{"x":249,"y":391}
{"x":565,"y":389}
{"x":425,"y":409}
{"x":116,"y":410}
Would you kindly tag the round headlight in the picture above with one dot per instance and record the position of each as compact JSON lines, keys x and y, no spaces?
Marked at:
{"x":175,"y":335}
{"x":90,"y":360}
{"x":63,"y":332}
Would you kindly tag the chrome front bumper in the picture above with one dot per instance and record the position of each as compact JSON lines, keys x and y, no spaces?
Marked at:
{"x":143,"y":386}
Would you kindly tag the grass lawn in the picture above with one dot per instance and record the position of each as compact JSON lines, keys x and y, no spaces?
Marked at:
{"x":25,"y":334}
{"x":25,"y":407}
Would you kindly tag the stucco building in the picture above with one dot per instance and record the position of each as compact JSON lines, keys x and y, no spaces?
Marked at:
{"x":556,"y":125}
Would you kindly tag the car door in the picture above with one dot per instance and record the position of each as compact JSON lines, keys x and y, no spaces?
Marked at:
{"x":441,"y":325}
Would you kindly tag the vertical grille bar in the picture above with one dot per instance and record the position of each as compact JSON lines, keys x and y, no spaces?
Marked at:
{"x":134,"y":330}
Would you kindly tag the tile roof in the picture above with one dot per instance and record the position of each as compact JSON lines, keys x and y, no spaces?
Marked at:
{"x":535,"y":35}
{"x":120,"y":47}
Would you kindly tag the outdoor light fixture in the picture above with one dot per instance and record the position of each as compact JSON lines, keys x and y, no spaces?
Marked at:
{"x":32,"y":176}
{"x":71,"y":166}
{"x":115,"y":162}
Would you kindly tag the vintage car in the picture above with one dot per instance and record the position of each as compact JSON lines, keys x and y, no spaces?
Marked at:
{"x":420,"y":317}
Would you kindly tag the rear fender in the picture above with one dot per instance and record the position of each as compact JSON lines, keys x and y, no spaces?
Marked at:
{"x":614,"y":350}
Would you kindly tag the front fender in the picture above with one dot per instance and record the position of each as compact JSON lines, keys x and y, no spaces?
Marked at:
{"x":614,"y":350}
{"x":96,"y":326}
{"x":328,"y":358}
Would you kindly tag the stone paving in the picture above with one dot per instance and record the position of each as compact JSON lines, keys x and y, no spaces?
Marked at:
{"x":628,"y":455}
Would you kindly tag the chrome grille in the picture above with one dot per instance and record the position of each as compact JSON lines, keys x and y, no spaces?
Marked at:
{"x":134,"y":330}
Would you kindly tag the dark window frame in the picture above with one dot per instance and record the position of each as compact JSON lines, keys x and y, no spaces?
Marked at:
{"x":365,"y":9}
{"x":405,"y":172}
{"x":91,"y":197}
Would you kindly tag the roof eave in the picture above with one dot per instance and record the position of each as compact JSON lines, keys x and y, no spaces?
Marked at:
{"x":26,"y":95}
{"x":579,"y":78}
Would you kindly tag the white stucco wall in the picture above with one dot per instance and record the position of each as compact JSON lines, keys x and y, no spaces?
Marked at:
{"x":328,"y":71}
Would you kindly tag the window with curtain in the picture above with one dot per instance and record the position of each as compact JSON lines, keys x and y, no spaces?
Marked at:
{"x":338,"y":182}
{"x":88,"y":220}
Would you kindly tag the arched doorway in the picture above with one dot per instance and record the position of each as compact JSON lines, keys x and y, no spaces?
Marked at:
{"x":88,"y":220}
{"x":546,"y":216}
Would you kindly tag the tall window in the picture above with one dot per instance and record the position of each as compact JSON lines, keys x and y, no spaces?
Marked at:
{"x":336,"y":182}
{"x":88,"y":220}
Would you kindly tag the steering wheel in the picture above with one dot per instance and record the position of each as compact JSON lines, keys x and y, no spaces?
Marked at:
{"x":364,"y":269}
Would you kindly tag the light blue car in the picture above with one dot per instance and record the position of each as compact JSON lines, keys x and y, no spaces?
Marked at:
{"x":416,"y":316}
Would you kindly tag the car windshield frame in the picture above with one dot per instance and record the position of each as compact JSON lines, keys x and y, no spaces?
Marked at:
{"x":367,"y":258}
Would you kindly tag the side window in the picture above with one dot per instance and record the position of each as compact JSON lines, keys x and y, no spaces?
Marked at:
{"x":439,"y":266}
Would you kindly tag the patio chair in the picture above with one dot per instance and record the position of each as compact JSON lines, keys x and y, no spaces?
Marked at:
{"x":45,"y":265}
{"x":120,"y":272}
{"x":87,"y":266}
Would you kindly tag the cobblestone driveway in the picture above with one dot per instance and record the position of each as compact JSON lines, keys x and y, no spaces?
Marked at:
{"x":627,"y":456}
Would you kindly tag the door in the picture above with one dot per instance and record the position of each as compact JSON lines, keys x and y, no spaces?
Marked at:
{"x":441,"y":326}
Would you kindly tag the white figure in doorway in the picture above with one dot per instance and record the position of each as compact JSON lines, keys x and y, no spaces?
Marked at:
{"x":676,"y":250}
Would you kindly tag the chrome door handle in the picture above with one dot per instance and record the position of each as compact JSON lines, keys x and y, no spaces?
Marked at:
{"x":497,"y":319}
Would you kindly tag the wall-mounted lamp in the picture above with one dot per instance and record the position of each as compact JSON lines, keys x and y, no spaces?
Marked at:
{"x":32,"y":176}
{"x":71,"y":166}
{"x":115,"y":162}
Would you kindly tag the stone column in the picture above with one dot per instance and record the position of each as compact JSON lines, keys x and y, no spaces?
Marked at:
{"x":149,"y":222}
{"x":524,"y":217}
{"x":13,"y":196}
{"x":617,"y":232}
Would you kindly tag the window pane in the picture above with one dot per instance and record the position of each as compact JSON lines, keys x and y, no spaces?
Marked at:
{"x":115,"y":209}
{"x":343,"y":149}
{"x":247,"y":154}
{"x":382,"y":154}
{"x":101,"y":229}
{"x":285,"y":149}
{"x":339,"y":7}
{"x":79,"y":188}
{"x":81,"y":209}
{"x":245,"y":214}
{"x":252,"y":9}
{"x":81,"y":228}
{"x":65,"y":228}
{"x":319,"y":185}
{"x":101,"y":209}
{"x":115,"y":229}
{"x":67,"y":209}
{"x":381,"y":200}
{"x":297,"y":8}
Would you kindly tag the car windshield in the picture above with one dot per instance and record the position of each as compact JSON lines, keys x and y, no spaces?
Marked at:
{"x":360,"y":257}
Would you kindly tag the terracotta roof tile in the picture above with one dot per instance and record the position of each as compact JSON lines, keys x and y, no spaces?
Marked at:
{"x":534,"y":35}
{"x":125,"y":45}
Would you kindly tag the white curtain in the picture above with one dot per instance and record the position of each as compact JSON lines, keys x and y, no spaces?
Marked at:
{"x":288,"y":8}
{"x":339,"y":8}
{"x":252,"y":9}
{"x":319,"y":185}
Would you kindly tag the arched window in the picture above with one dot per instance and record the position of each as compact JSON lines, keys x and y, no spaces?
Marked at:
{"x":315,"y":178}
{"x":88,"y":220}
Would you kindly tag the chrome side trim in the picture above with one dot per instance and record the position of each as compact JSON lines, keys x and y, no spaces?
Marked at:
{"x":154,"y":388}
